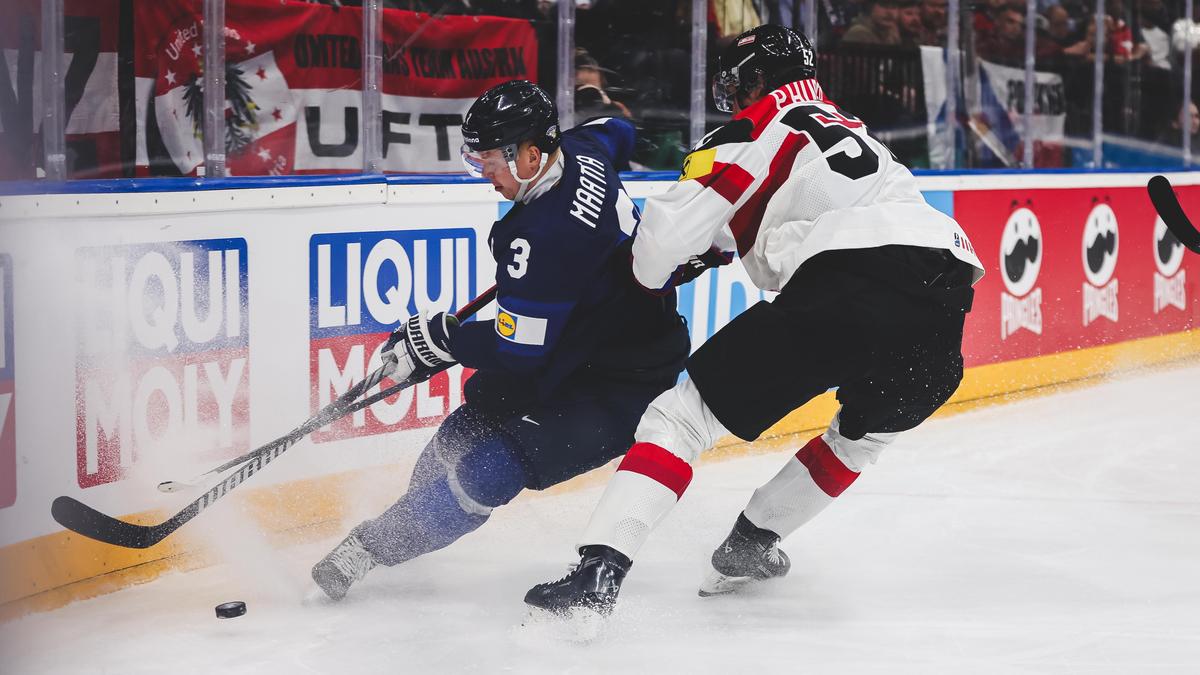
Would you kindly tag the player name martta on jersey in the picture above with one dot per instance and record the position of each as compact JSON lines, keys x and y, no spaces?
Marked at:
{"x":589,"y":196}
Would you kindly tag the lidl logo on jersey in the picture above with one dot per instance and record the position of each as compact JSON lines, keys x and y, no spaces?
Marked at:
{"x":162,"y":361}
{"x":1020,"y":262}
{"x":521,"y":329}
{"x":8,"y":395}
{"x":1170,"y":279}
{"x":1101,"y":242}
{"x":506,"y":325}
{"x":361,"y":286}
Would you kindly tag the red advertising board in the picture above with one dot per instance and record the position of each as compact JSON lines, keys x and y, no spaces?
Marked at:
{"x":1074,"y":268}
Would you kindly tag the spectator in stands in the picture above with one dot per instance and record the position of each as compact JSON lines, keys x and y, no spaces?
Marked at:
{"x":908,"y":19}
{"x":878,"y":26}
{"x":1056,"y":36}
{"x":933,"y":22}
{"x":591,"y":89}
{"x":1174,"y":137}
{"x":834,"y":18}
{"x":986,"y":15}
{"x":1124,"y":40}
{"x":1152,"y":16}
{"x":1005,"y":43}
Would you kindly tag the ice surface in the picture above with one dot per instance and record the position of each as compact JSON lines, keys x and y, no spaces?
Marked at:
{"x":1055,"y":535}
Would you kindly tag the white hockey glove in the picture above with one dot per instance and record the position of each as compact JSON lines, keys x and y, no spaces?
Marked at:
{"x":419,"y":346}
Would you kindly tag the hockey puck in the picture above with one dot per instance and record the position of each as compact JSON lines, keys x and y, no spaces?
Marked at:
{"x":228,"y":610}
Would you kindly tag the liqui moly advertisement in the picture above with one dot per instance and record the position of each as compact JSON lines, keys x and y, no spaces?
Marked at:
{"x":162,"y":360}
{"x":8,"y":394}
{"x":362,"y":286}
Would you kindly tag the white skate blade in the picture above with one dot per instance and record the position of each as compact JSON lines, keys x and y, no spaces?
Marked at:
{"x":719,"y":584}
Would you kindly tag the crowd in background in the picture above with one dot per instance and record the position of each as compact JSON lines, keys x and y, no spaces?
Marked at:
{"x":633,"y":56}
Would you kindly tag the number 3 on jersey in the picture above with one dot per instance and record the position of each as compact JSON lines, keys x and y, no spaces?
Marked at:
{"x":520,"y":263}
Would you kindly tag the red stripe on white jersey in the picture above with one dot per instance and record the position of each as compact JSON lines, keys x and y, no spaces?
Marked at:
{"x":728,"y":180}
{"x":658,"y":464}
{"x":746,"y":221}
{"x":826,"y":469}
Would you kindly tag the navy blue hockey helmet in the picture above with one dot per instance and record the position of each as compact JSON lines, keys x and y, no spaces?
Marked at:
{"x":506,"y":115}
{"x":768,"y":55}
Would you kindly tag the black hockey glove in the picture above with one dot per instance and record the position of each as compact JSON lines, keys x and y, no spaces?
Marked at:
{"x":419,"y":346}
{"x":699,"y":264}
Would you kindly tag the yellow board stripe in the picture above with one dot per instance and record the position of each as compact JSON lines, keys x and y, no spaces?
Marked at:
{"x":47,"y":572}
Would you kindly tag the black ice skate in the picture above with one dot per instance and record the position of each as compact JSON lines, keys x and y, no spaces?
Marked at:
{"x":748,"y":555}
{"x":592,"y":585}
{"x":348,"y":562}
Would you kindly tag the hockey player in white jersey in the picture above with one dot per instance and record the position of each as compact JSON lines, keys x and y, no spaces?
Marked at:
{"x":874,"y":285}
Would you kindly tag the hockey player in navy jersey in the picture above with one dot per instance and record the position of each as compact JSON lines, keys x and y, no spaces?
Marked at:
{"x":873,"y":283}
{"x":575,"y":354}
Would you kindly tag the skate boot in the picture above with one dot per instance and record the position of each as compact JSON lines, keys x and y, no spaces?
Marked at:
{"x":343,"y":566}
{"x":593,"y":585}
{"x":748,"y":555}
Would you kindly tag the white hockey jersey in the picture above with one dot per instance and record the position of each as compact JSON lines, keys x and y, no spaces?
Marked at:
{"x":789,"y":177}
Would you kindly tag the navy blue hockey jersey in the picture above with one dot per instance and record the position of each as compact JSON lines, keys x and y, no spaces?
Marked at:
{"x":566,"y":298}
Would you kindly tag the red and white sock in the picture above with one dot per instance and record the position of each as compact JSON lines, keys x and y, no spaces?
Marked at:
{"x":809,"y":482}
{"x":813,"y":478}
{"x":647,"y":485}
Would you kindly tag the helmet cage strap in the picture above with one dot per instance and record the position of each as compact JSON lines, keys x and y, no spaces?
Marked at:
{"x":523,"y":182}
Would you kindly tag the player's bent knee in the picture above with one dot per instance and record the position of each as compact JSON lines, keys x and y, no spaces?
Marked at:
{"x":679,"y":421}
{"x":487,"y":476}
{"x":856,"y":454}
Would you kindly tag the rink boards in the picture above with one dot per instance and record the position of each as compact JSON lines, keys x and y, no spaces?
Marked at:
{"x":155,"y":329}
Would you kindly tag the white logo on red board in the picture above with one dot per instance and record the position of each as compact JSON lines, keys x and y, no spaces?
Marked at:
{"x":1021,"y":253}
{"x":162,"y":360}
{"x":1100,"y":246}
{"x":1170,"y":279}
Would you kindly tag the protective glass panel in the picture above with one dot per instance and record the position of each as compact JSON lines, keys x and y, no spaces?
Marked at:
{"x":293,"y":88}
{"x":436,"y":64}
{"x":633,"y":59}
{"x":85,"y":130}
{"x":21,"y":154}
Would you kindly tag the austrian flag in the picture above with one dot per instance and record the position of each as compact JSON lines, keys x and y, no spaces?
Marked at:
{"x":293,"y":85}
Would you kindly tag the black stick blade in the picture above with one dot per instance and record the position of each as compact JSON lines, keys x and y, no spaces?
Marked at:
{"x":1167,"y":205}
{"x":83,"y":519}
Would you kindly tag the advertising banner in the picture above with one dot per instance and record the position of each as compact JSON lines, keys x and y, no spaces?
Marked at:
{"x":1074,"y":268}
{"x":1002,"y":111}
{"x":364,"y":284}
{"x":294,"y":85}
{"x":162,"y":354}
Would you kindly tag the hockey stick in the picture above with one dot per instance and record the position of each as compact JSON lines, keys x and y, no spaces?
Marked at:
{"x":331,"y":412}
{"x":83,"y":519}
{"x":1167,"y":205}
